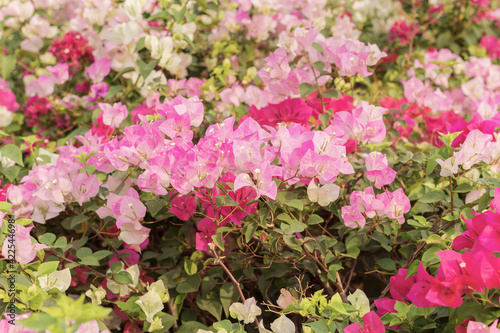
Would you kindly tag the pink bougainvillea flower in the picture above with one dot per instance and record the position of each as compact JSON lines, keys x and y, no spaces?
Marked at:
{"x":206,"y":229}
{"x":133,"y":234}
{"x":352,"y":217}
{"x":291,"y":110}
{"x":377,"y":169}
{"x":26,"y":250}
{"x":113,"y":115}
{"x":398,"y":205}
{"x":3,"y":191}
{"x":131,"y":209}
{"x":7,"y":97}
{"x":99,"y":70}
{"x":183,"y":206}
{"x":71,"y":49}
{"x":404,"y":32}
{"x":401,"y":285}
{"x":367,"y":203}
{"x":59,"y":73}
{"x":371,"y":324}
{"x":260,"y":180}
{"x":475,"y":327}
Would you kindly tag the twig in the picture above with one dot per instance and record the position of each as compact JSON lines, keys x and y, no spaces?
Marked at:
{"x":231,"y":276}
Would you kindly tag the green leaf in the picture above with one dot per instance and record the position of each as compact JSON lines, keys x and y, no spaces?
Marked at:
{"x":154,"y":206}
{"x":11,"y":172}
{"x":217,"y":239}
{"x":382,"y":239}
{"x":249,"y":230}
{"x":315,"y":219}
{"x":318,"y":47}
{"x":210,"y":303}
{"x":47,"y":238}
{"x":13,"y":152}
{"x":318,"y":327}
{"x":190,"y":267}
{"x":319,"y":65}
{"x":102,"y":254}
{"x":113,"y":91}
{"x":484,"y":201}
{"x":463,"y":188}
{"x":448,"y":138}
{"x":83,"y":252}
{"x":419,"y":222}
{"x":123,"y":277}
{"x":224,"y":200}
{"x":295,"y":203}
{"x":163,"y":15}
{"x":331,"y":94}
{"x":61,"y":243}
{"x":387,"y":264}
{"x":47,"y":267}
{"x":228,"y":295}
{"x":324,"y":118}
{"x":306,"y":89}
{"x":431,"y":164}
{"x":116,"y":267}
{"x":146,"y":69}
{"x":402,"y":308}
{"x":24,"y":222}
{"x":70,"y":223}
{"x":38,"y":321}
{"x":192,"y":284}
{"x":412,"y":270}
{"x":141,"y":43}
{"x":433,"y":196}
{"x":120,"y":73}
{"x":179,"y":15}
{"x":90,"y":261}
{"x":429,"y":257}
{"x":5,"y":206}
{"x":7,"y":65}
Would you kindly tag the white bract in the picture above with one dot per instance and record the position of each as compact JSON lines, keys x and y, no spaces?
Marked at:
{"x":151,"y":304}
{"x":5,"y":116}
{"x":283,"y":325}
{"x":245,"y":312}
{"x":96,"y":294}
{"x":322,"y":195}
{"x":123,"y":289}
{"x":59,"y":279}
{"x":359,"y":300}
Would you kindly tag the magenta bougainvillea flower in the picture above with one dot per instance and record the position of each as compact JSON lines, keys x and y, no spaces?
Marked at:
{"x":371,"y":324}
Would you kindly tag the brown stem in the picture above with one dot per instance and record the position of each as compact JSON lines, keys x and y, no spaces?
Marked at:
{"x":231,"y":276}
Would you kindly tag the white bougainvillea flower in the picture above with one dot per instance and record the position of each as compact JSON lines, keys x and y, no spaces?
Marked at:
{"x":156,"y":325}
{"x":359,"y":300}
{"x":322,"y":195}
{"x":245,"y":312}
{"x":96,"y":294}
{"x":283,"y":325}
{"x":285,"y":298}
{"x":151,"y":304}
{"x":123,"y":289}
{"x":59,"y":279}
{"x":159,"y":288}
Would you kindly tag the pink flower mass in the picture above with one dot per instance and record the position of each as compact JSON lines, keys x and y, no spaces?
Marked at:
{"x":193,"y":166}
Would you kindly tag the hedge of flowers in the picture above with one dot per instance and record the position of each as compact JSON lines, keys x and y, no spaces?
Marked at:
{"x":230,"y":166}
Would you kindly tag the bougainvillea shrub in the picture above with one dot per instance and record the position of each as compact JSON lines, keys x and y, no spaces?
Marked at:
{"x":238,"y":166}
